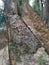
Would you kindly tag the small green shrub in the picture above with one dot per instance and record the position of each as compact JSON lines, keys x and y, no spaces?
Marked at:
{"x":40,"y":60}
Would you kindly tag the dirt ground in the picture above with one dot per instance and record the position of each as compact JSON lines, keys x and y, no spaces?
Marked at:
{"x":39,"y":58}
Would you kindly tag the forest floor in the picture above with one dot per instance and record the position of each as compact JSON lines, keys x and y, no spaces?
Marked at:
{"x":39,"y":58}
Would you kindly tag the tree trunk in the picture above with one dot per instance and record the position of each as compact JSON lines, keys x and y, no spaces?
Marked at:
{"x":10,"y":10}
{"x":45,"y":11}
{"x":36,"y":25}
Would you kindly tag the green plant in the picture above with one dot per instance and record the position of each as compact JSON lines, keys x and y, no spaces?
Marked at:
{"x":40,"y":59}
{"x":36,"y":7}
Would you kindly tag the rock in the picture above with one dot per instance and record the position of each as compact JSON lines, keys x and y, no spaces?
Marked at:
{"x":25,"y":40}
